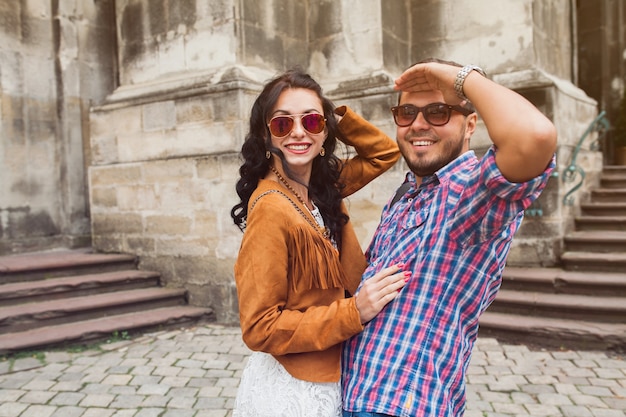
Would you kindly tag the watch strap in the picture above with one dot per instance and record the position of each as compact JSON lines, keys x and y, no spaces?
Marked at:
{"x":460,"y":79}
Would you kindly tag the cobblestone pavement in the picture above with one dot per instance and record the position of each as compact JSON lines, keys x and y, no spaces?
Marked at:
{"x":194,"y":372}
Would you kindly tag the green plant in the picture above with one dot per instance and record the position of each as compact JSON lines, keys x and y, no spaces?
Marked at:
{"x":118,"y":336}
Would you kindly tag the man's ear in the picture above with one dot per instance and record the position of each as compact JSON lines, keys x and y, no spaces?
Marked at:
{"x":470,"y":124}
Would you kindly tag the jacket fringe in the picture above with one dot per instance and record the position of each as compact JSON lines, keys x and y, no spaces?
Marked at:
{"x":315,"y":259}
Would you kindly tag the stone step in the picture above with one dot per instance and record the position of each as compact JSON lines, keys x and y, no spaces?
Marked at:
{"x":613,"y":174}
{"x":73,"y":296}
{"x":594,"y":261}
{"x":89,"y":331}
{"x":559,"y":281}
{"x":583,"y":223}
{"x":615,"y":170}
{"x":554,"y":332}
{"x":613,"y":180}
{"x":582,"y":304}
{"x":566,"y":306}
{"x":603,"y":209}
{"x":608,"y":195}
{"x":75,"y":286}
{"x":48,"y":313}
{"x":51,"y":264}
{"x":606,"y":241}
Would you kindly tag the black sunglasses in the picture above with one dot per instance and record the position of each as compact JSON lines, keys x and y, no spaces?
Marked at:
{"x":281,"y":126}
{"x":436,"y":114}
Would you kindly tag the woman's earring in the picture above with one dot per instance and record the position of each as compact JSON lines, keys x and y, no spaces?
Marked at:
{"x":323,"y":151}
{"x":268,"y":155}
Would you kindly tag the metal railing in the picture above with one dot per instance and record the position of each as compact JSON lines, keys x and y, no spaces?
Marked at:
{"x":601,"y":125}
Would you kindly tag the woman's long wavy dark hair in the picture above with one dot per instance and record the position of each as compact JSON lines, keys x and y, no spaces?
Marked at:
{"x":324,"y":186}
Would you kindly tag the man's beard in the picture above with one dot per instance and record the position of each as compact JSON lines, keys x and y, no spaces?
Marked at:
{"x":423,"y":167}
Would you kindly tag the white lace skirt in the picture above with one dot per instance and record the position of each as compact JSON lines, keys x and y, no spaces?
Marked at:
{"x":268,"y":390}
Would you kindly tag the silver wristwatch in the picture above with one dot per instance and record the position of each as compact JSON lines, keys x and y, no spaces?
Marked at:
{"x":460,"y":78}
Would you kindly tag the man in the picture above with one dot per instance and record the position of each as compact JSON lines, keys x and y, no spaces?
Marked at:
{"x":453,"y":228}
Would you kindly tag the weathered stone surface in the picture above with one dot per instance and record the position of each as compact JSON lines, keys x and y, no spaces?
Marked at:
{"x":124,"y":120}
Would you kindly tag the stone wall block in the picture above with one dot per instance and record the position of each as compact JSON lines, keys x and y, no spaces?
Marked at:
{"x":103,"y":149}
{"x":11,"y":77}
{"x":168,"y":171}
{"x":126,"y":121}
{"x":222,"y":298}
{"x":208,"y":168}
{"x":215,"y":50}
{"x":396,"y":36}
{"x":137,"y":197}
{"x":214,"y":288}
{"x":11,"y":191}
{"x":201,"y":194}
{"x":108,"y":243}
{"x":175,"y":196}
{"x":168,"y":225}
{"x":541,"y":253}
{"x":159,"y":116}
{"x":117,"y":223}
{"x":171,"y":53}
{"x":492,"y":34}
{"x":140,"y":245}
{"x":194,"y":110}
{"x":205,"y":285}
{"x":12,"y":123}
{"x":218,"y":192}
{"x":103,"y":136}
{"x":38,"y":78}
{"x":197,"y":269}
{"x":69,"y":41}
{"x":104,"y":197}
{"x":333,"y":59}
{"x":549,"y":31}
{"x":11,"y":25}
{"x":163,"y":264}
{"x":154,"y":145}
{"x":41,"y":117}
{"x":27,"y":222}
{"x":265,"y":51}
{"x":115,"y":175}
{"x":208,"y":139}
{"x":192,"y":139}
{"x":37,"y":34}
{"x":176,"y":246}
{"x":160,"y":39}
{"x":96,"y":78}
{"x":204,"y":223}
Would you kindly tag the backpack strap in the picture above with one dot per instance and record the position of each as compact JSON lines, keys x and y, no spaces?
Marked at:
{"x":400,"y":192}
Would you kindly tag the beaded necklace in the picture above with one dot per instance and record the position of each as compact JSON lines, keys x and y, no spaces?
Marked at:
{"x":324,"y":230}
{"x":289,"y":187}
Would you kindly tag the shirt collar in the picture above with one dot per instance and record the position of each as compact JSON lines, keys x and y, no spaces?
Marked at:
{"x":444,"y":173}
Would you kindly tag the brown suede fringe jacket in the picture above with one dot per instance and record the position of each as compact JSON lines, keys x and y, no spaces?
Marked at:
{"x":291,"y":280}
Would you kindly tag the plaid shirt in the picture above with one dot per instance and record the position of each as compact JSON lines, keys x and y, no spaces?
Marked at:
{"x":454,"y":232}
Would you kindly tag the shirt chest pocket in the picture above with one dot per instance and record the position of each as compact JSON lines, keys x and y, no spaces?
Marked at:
{"x":415,"y":218}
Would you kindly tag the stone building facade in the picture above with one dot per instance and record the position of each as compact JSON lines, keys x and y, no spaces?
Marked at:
{"x":122,"y":119}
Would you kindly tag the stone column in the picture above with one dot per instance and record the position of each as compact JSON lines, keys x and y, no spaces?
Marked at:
{"x":53,"y":67}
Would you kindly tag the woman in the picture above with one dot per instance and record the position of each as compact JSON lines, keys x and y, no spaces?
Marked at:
{"x":299,"y":256}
